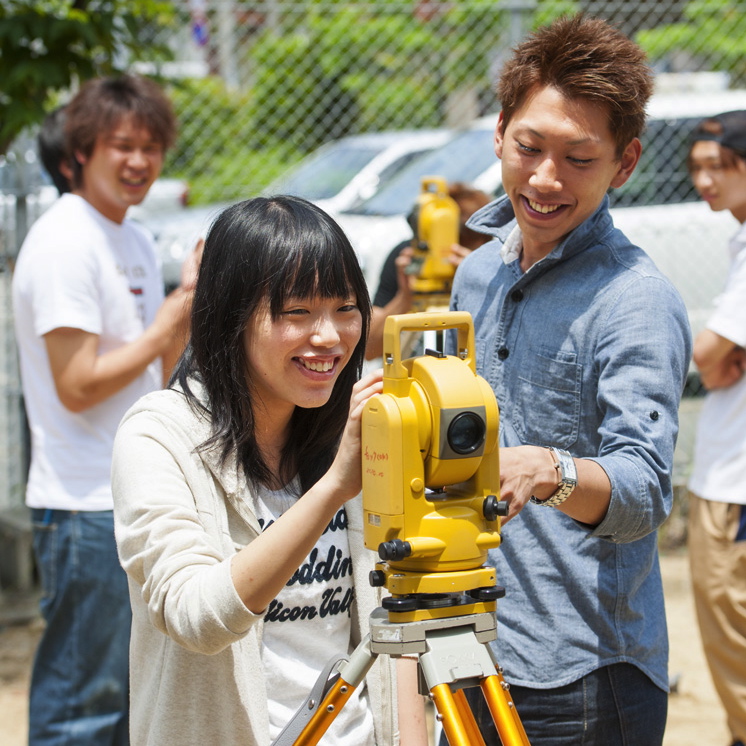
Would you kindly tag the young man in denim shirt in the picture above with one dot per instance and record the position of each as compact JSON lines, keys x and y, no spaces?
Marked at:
{"x":587,"y":346}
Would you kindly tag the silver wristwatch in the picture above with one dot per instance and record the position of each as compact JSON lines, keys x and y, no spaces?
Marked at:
{"x":568,"y":478}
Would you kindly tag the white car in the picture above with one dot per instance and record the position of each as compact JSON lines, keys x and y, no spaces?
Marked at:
{"x":337,"y":175}
{"x":177,"y":233}
{"x":658,"y":209}
{"x":346,"y":171}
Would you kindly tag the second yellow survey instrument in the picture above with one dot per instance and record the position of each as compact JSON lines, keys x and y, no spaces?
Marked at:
{"x":435,"y":221}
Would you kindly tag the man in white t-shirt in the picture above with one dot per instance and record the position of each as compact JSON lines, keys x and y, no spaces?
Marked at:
{"x":717,"y":507}
{"x":94,"y":334}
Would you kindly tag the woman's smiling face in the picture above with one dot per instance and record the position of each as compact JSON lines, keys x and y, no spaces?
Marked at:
{"x":295,"y":359}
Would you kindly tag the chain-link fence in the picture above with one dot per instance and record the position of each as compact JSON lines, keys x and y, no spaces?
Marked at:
{"x":258,"y":86}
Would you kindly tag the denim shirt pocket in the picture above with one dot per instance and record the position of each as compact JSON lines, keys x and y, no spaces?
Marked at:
{"x":547,"y":398}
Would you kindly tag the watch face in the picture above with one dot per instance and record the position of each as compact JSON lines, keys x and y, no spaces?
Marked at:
{"x":567,"y":466}
{"x":568,"y":479}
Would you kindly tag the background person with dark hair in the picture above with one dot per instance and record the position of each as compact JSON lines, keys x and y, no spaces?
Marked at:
{"x":52,"y":151}
{"x":717,"y":498}
{"x":94,"y":334}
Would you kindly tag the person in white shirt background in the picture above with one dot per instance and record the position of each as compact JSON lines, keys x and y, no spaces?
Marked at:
{"x":94,"y":333}
{"x":717,"y":499}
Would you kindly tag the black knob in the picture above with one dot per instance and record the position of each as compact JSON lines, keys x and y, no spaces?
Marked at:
{"x":492,"y":507}
{"x":489,"y":507}
{"x":394,"y":550}
{"x":487,"y":594}
{"x":377,"y":578}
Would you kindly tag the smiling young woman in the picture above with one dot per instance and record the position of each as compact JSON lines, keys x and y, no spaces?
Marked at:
{"x":238,"y":484}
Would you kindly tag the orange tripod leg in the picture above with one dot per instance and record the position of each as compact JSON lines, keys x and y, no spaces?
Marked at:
{"x":503,"y":711}
{"x":458,"y":732}
{"x":334,"y":701}
{"x":467,"y":718}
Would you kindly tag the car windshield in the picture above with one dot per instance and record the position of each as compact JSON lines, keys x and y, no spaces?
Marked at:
{"x":463,"y":158}
{"x":325,"y":175}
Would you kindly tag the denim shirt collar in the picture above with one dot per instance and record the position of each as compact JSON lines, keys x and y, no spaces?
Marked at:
{"x":497,"y":219}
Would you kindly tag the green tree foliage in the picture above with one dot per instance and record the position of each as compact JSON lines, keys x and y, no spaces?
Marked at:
{"x":48,"y":45}
{"x":711,"y":30}
{"x":359,"y":67}
{"x":231,"y":163}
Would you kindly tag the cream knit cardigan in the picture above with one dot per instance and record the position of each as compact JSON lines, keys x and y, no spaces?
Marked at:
{"x":195,"y":655}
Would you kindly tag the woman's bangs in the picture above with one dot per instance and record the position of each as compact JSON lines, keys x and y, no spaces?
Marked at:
{"x":319,"y":269}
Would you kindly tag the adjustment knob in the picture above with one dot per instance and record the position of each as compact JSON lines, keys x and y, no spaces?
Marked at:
{"x":490,"y":593}
{"x":377,"y":578}
{"x":394,"y":550}
{"x":490,"y":507}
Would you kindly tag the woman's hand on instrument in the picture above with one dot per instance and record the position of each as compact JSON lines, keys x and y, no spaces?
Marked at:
{"x":346,"y":470}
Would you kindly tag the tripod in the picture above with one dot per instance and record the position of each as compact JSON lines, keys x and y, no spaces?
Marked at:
{"x":452,"y":653}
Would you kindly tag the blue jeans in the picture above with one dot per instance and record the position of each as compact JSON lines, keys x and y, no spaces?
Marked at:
{"x":616,"y":705}
{"x":80,"y":677}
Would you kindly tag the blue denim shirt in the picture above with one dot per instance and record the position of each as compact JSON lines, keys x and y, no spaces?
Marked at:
{"x":588,"y":351}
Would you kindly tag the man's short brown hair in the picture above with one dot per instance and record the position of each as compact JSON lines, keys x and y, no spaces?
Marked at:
{"x":582,"y":58}
{"x":101,"y":103}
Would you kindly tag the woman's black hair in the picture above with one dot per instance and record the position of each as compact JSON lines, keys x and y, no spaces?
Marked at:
{"x":267,"y":250}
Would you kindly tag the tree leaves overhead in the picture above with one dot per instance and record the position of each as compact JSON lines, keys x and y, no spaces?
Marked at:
{"x":47,"y":46}
{"x":711,"y":30}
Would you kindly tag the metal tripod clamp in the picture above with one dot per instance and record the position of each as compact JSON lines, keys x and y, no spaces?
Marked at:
{"x":306,"y":711}
{"x":351,"y":672}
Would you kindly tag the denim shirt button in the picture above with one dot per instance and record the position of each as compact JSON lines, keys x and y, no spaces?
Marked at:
{"x":516,"y":296}
{"x":503,"y":353}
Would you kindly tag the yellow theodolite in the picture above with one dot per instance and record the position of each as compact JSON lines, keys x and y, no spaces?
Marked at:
{"x":431,"y":475}
{"x":431,"y":486}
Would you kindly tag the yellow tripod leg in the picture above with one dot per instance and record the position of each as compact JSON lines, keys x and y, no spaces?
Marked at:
{"x":503,"y":710}
{"x":334,"y":701}
{"x":457,"y":732}
{"x":467,"y":718}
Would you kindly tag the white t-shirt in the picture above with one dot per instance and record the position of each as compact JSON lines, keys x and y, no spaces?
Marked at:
{"x":719,"y":472}
{"x":78,"y":269}
{"x":308,"y":624}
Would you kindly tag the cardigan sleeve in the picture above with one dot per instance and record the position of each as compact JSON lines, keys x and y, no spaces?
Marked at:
{"x":171,"y":540}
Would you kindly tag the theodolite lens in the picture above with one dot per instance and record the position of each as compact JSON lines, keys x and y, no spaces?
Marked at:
{"x":466,"y":432}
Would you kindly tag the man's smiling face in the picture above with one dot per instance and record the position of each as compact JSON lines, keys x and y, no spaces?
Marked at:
{"x":121,"y":169}
{"x":558,"y":160}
